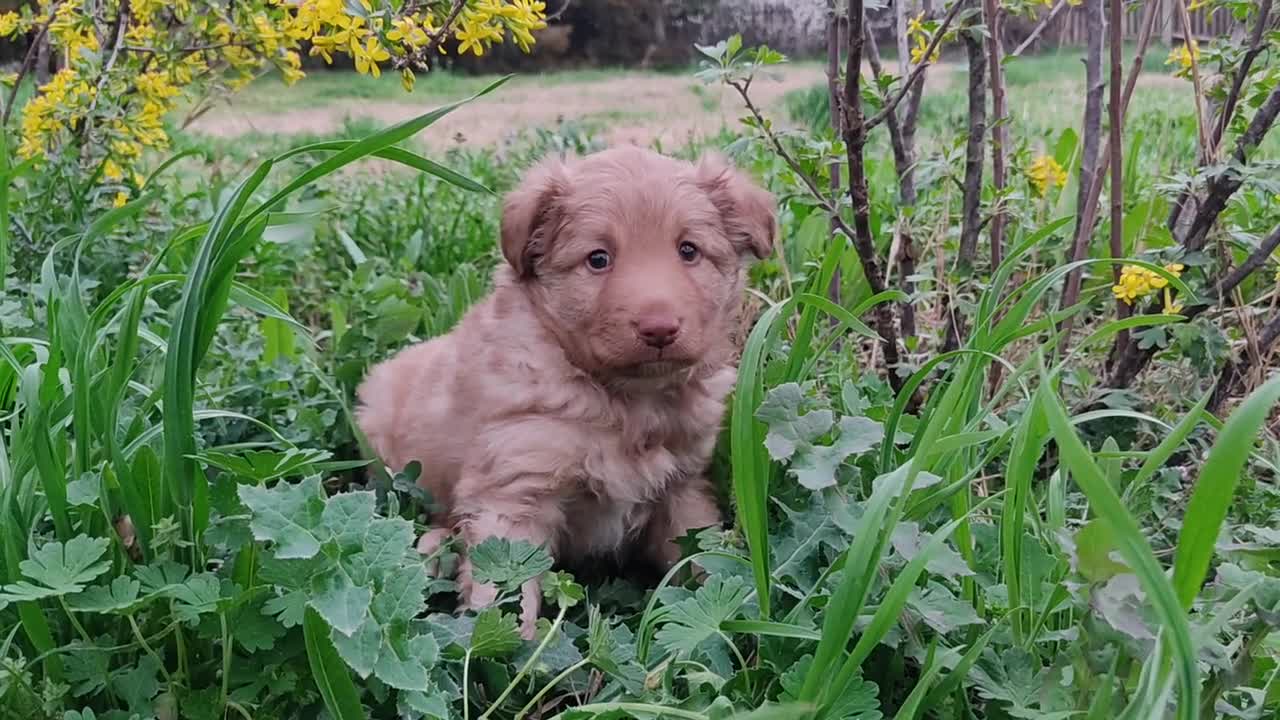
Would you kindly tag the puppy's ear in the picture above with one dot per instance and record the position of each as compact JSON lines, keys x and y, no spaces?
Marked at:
{"x":530,"y":214}
{"x":747,"y":210}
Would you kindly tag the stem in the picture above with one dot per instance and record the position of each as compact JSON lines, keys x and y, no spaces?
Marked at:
{"x":549,"y":686}
{"x":74,"y":622}
{"x":226,"y":659}
{"x":645,"y":708}
{"x":466,"y":685}
{"x":528,"y":664}
{"x":146,"y":647}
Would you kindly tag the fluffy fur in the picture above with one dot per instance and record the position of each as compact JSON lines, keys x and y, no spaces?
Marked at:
{"x":577,"y":406}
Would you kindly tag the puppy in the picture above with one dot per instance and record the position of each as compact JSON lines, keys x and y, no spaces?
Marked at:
{"x":577,"y":406}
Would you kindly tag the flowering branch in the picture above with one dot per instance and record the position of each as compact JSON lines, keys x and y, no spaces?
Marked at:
{"x":918,"y":71}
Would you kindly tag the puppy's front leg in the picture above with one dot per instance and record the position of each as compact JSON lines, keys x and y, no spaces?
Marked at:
{"x":687,"y":506}
{"x":478,"y":526}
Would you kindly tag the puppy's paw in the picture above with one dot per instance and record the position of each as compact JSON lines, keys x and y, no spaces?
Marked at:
{"x":429,"y":545}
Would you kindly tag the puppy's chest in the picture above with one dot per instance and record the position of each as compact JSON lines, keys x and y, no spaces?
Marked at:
{"x":621,"y":486}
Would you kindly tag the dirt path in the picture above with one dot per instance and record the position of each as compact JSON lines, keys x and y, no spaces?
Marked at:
{"x":630,"y":107}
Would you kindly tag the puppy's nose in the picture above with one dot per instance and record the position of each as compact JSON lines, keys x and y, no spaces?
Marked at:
{"x":658,"y":331}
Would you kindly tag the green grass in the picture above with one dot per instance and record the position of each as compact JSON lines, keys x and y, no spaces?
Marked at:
{"x":323,"y":87}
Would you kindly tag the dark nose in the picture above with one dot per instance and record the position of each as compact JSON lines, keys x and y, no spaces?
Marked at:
{"x":658,"y":331}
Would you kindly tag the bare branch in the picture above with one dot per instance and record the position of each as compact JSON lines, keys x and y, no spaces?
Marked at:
{"x":833,"y":101}
{"x":994,"y":19}
{"x":903,"y":165}
{"x":1115,"y":153}
{"x":1039,"y":29}
{"x":970,"y":218}
{"x":1089,"y":158}
{"x":855,"y":137}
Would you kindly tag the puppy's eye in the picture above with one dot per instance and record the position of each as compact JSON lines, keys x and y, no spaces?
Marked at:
{"x":688,"y":252}
{"x":598,"y":260}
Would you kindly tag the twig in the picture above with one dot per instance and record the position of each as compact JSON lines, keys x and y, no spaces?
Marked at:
{"x":1206,"y":148}
{"x":819,"y":197}
{"x":833,"y":100}
{"x":1256,"y":46}
{"x":994,"y":20}
{"x":918,"y":71}
{"x":27,"y":63}
{"x":971,"y":198}
{"x":122,"y":23}
{"x":1115,"y":155}
{"x":903,"y":165}
{"x":1088,"y":161}
{"x":854,"y":131}
{"x":1224,"y":184}
{"x":433,"y":44}
{"x":1039,"y":29}
{"x":971,"y":204}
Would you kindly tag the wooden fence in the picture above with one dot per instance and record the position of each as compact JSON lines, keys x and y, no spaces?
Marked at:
{"x":1069,"y":27}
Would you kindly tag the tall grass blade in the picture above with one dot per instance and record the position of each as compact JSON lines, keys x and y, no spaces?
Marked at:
{"x":1215,"y":489}
{"x":1133,"y":547}
{"x":330,"y":673}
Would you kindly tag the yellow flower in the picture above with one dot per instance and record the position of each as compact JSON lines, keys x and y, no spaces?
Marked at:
{"x":111,"y":171}
{"x":922,"y":45}
{"x":407,"y":79}
{"x":8,"y":23}
{"x":1136,"y":282}
{"x":1045,"y":172}
{"x":475,"y":31}
{"x":140,"y":34}
{"x":8,"y":79}
{"x":408,"y":31}
{"x":291,"y":67}
{"x":121,"y":198}
{"x":1133,"y":284}
{"x":916,"y":24}
{"x":1183,"y":58}
{"x":368,"y":56}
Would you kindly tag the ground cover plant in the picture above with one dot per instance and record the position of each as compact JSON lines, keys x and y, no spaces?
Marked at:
{"x":997,"y":449}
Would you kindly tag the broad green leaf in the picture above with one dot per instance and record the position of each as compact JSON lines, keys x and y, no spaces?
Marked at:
{"x":494,"y":634}
{"x":789,"y":427}
{"x":508,"y":563}
{"x":341,"y":603}
{"x":287,"y":515}
{"x":860,"y":700}
{"x":57,"y":569}
{"x":120,"y":595}
{"x":348,"y":516}
{"x":908,"y":541}
{"x":695,"y":619}
{"x":941,"y":610}
{"x":814,"y":466}
{"x":198,"y":595}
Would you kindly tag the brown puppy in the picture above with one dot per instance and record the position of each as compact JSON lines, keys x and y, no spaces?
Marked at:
{"x":578,"y":405}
